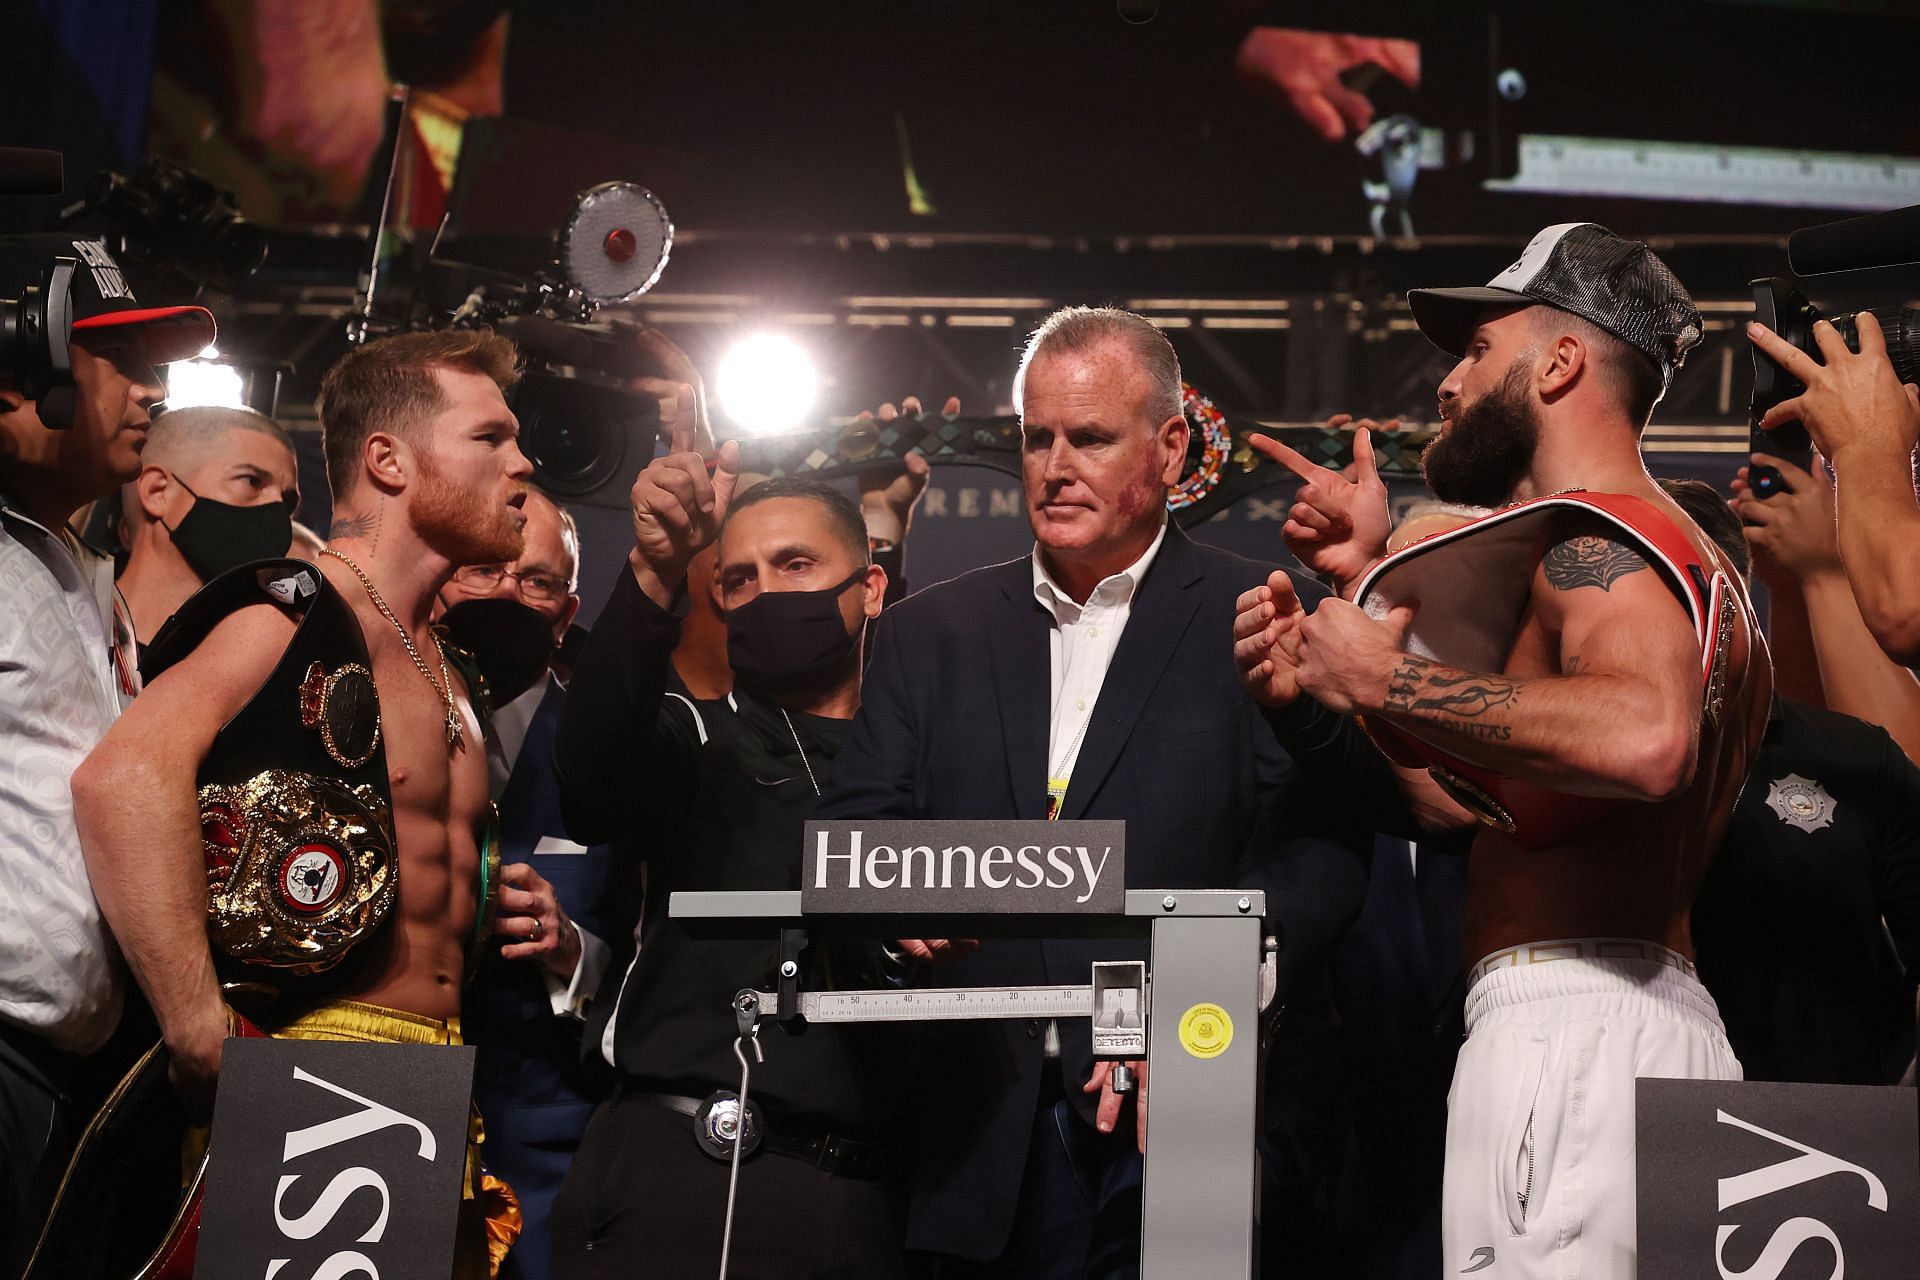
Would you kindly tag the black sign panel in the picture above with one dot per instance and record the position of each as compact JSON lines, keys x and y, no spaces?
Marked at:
{"x":1019,"y":867}
{"x":335,"y":1159}
{"x":1760,"y":1181}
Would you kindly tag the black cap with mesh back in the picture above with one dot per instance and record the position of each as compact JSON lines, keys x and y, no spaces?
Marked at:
{"x":1580,"y":267}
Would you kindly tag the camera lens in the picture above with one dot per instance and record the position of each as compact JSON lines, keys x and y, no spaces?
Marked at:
{"x":1901,"y":328}
{"x":582,"y":437}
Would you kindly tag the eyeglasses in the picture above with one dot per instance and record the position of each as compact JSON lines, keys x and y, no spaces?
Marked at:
{"x":543,"y":587}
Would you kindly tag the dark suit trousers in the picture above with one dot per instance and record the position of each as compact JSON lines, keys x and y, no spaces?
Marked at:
{"x":1079,"y":1213}
{"x":642,"y":1200}
{"x":38,"y":1125}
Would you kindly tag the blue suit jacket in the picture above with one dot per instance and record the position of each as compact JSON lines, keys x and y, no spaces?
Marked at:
{"x":534,"y":1087}
{"x":954,"y":724}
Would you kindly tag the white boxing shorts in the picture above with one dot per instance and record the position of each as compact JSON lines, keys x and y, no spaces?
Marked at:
{"x":1540,"y":1120}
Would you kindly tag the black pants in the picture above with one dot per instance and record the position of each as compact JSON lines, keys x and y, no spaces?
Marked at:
{"x":38,"y":1127}
{"x":1079,"y":1211}
{"x":643,"y":1200}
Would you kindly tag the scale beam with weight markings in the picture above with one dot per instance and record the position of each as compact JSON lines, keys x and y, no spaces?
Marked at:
{"x":1211,"y":972}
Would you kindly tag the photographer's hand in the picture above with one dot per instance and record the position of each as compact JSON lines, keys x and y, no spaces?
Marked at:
{"x":1792,"y":534}
{"x":1866,"y":423}
{"x":1853,"y":403}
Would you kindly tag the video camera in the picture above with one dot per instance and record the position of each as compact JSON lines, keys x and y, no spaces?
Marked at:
{"x":168,"y":216}
{"x":586,"y":431}
{"x":1873,"y":243}
{"x":35,"y":329}
{"x":165,"y":216}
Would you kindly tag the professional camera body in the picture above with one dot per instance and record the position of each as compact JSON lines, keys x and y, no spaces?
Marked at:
{"x":587,"y":432}
{"x":168,"y":216}
{"x":1877,"y":242}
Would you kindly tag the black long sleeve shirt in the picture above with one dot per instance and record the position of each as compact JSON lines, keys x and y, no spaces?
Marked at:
{"x":708,"y":799}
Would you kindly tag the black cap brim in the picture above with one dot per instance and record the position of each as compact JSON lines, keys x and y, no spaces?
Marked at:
{"x":1449,"y":316}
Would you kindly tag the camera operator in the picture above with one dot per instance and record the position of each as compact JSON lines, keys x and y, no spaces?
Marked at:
{"x":217,"y":489}
{"x":1822,"y":650}
{"x":67,"y":671}
{"x":1865,"y":422}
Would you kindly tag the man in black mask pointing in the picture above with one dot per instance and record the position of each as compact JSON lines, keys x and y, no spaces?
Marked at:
{"x":714,"y":798}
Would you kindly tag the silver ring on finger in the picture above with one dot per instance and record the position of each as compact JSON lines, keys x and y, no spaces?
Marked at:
{"x":538,"y":928}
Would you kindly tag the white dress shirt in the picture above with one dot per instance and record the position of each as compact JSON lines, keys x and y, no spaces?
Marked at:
{"x":59,"y":693}
{"x":1081,"y":644}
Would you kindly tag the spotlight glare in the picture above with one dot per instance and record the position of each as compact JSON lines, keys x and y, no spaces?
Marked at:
{"x":767,"y":384}
{"x":203,"y":382}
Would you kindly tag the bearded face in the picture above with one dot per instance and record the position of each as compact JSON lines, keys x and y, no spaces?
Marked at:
{"x":470,"y":521}
{"x":1483,"y":456}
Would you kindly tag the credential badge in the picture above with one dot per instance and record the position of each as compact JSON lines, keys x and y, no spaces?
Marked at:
{"x":1801,"y":802}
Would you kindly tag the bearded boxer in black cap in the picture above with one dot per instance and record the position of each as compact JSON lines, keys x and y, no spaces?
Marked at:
{"x":1582,"y":672}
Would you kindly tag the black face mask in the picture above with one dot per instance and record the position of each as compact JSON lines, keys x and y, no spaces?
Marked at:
{"x":784,"y":640}
{"x":214,"y":537}
{"x":512,"y":643}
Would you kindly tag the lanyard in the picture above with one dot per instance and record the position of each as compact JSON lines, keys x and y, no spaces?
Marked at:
{"x":1060,"y":775}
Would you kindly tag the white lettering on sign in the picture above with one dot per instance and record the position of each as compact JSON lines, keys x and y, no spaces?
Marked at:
{"x":858,"y":865}
{"x":337,"y":1267}
{"x":1807,"y":1166}
{"x":1794,"y":1232}
{"x":371,"y":1118}
{"x":311,"y":1223}
{"x":1773,"y":1259}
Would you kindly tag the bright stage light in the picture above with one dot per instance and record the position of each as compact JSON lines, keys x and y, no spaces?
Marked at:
{"x":767,"y":385}
{"x":204,"y":380}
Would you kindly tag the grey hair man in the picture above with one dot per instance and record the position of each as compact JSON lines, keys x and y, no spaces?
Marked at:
{"x":217,"y":488}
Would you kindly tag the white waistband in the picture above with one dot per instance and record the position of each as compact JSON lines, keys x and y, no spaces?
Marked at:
{"x":1534,"y":982}
{"x":1528,"y":953}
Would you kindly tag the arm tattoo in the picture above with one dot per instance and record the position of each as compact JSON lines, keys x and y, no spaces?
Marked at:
{"x":351,"y":527}
{"x":1590,"y":561}
{"x":1449,"y":699}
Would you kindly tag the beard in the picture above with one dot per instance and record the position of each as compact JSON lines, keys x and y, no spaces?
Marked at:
{"x":1482,"y":459}
{"x":464,"y":526}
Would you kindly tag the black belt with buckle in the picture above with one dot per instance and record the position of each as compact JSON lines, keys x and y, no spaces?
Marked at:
{"x":716,"y":1122}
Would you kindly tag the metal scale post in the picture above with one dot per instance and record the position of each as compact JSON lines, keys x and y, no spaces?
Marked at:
{"x":1211,"y":973}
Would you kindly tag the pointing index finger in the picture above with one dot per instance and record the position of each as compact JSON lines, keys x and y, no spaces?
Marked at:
{"x":1290,"y":458}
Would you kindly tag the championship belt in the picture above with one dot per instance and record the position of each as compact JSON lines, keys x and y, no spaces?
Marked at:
{"x":1221,"y":467}
{"x":1473,"y":584}
{"x":129,"y":1156}
{"x":295,"y":812}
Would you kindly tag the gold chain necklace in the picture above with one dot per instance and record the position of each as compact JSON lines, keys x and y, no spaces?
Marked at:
{"x":444,"y":685}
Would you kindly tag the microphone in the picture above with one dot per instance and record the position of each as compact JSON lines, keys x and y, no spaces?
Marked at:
{"x":1138,"y":11}
{"x":1855,"y":244}
{"x":31,"y":171}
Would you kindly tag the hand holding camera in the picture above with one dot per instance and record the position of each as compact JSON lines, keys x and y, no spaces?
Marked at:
{"x":1854,"y":403}
{"x":1791,"y":531}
